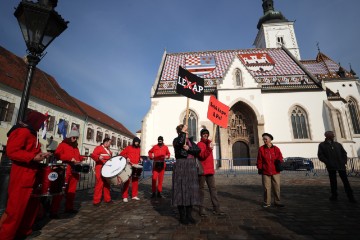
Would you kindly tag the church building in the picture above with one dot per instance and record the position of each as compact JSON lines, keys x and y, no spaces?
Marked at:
{"x":268,"y":88}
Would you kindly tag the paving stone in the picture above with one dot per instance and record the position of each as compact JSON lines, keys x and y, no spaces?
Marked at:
{"x":308,"y":213}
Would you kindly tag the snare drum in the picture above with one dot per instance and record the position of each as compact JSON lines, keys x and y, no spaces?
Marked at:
{"x":50,"y":180}
{"x":116,"y":170}
{"x":81,"y":168}
{"x":136,"y":170}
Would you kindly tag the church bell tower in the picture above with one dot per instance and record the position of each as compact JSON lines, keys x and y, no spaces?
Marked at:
{"x":275,"y":30}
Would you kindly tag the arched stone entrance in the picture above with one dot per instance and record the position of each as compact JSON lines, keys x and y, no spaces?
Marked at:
{"x":240,"y":141}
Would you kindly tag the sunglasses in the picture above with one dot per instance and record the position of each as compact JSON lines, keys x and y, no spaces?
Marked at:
{"x":74,"y":137}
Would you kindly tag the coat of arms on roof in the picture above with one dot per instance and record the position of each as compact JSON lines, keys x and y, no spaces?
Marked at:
{"x":200,"y":65}
{"x":257,"y":61}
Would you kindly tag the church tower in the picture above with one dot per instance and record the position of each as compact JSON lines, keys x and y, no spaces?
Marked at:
{"x":275,"y":30}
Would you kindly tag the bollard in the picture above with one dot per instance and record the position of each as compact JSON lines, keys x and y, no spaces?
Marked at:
{"x":5,"y":166}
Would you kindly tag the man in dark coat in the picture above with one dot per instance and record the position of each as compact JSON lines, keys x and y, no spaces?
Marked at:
{"x":335,"y":158}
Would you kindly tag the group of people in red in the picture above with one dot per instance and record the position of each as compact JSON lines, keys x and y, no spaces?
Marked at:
{"x":24,"y":149}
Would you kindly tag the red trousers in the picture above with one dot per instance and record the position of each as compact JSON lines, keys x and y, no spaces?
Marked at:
{"x":157,"y":174}
{"x":101,"y":185}
{"x":134,"y":185}
{"x":21,"y":209}
{"x":71,"y":181}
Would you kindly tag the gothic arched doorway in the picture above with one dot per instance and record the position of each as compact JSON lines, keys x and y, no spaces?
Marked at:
{"x":242,"y":133}
{"x":240,"y":154}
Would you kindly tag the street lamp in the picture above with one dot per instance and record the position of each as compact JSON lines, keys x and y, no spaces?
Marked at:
{"x":40,"y":24}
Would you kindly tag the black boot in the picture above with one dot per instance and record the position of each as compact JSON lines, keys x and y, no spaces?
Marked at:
{"x":189,"y":216}
{"x":183,"y":219}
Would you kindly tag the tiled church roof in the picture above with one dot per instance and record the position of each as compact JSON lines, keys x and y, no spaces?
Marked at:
{"x":267,"y":66}
{"x":325,"y":68}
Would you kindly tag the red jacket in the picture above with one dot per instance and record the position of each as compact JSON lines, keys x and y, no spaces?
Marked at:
{"x":206,"y":156}
{"x":160,"y":152}
{"x":132,"y":153}
{"x":65,"y":153}
{"x":266,"y":157}
{"x":21,"y":147}
{"x":100,"y":150}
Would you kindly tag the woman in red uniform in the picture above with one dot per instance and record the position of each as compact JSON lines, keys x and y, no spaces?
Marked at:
{"x":24,"y":149}
{"x":132,"y":154}
{"x":68,"y":153}
{"x":100,"y":155}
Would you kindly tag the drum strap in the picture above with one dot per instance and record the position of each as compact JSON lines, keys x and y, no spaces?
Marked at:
{"x":107,"y":150}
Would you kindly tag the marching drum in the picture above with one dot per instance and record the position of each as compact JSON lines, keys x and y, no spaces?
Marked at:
{"x":136,"y":170}
{"x":116,"y":170}
{"x":50,"y":180}
{"x":81,"y":168}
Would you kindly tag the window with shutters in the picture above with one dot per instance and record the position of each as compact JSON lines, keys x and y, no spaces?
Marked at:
{"x":113,"y":141}
{"x":99,"y":136}
{"x":107,"y":135}
{"x":90,"y":134}
{"x":51,"y":123}
{"x":6,"y":111}
{"x":75,"y":125}
{"x":124,"y":144}
{"x":118,"y":143}
{"x":300,"y":125}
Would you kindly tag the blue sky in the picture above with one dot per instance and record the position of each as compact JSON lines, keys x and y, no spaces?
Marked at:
{"x":110,"y":54}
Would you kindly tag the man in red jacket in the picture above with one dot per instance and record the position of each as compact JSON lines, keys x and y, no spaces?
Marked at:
{"x":158,"y":153}
{"x":24,"y":149}
{"x":268,"y":156}
{"x":207,"y":161}
{"x":132,"y":154}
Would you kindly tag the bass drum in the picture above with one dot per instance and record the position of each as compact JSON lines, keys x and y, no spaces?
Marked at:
{"x":116,"y":170}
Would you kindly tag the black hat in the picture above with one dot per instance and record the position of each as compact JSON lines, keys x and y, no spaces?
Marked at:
{"x":269,"y":135}
{"x":160,"y":138}
{"x":204,"y":130}
{"x":136,"y":139}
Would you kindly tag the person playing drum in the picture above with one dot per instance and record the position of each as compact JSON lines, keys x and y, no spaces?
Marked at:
{"x":101,"y":155}
{"x":24,"y":149}
{"x":68,"y":153}
{"x":132,"y":154}
{"x":158,"y":153}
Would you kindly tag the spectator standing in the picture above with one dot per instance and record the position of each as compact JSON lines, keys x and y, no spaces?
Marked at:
{"x":207,"y":161}
{"x":334,"y":156}
{"x":268,"y":156}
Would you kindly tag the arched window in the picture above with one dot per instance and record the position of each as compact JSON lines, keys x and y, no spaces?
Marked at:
{"x":354,"y":115}
{"x":238,"y":78}
{"x":299,"y":123}
{"x":192,"y":124}
{"x":341,"y":125}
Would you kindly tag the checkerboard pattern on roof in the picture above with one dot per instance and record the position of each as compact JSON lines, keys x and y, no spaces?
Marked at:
{"x":192,"y":60}
{"x":284,"y":65}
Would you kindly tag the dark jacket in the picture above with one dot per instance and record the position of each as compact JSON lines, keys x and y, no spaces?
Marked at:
{"x":333,"y":155}
{"x":180,"y":152}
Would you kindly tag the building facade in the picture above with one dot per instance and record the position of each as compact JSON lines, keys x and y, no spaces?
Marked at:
{"x":48,"y":97}
{"x":268,"y":88}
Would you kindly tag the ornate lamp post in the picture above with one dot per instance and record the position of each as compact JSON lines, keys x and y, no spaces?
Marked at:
{"x":40,"y":24}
